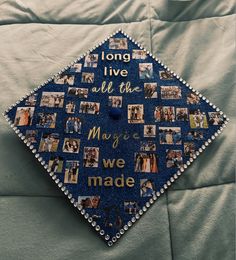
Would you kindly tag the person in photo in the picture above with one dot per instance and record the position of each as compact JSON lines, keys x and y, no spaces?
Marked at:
{"x":71,"y":172}
{"x":52,"y":99}
{"x":73,"y":125}
{"x":24,"y":116}
{"x":150,"y":90}
{"x":71,"y":145}
{"x":164,"y":114}
{"x":145,"y":70}
{"x":55,"y":164}
{"x":70,"y":107}
{"x":91,"y":60}
{"x":46,"y":120}
{"x":135,"y":114}
{"x":91,"y":157}
{"x":147,"y":188}
{"x":87,"y":77}
{"x":145,"y":162}
{"x":174,"y":158}
{"x":89,"y":107}
{"x":170,"y":135}
{"x":49,"y":142}
{"x":149,"y":131}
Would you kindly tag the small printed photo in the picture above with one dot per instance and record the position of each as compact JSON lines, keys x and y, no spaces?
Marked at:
{"x":46,"y":120}
{"x":147,"y":146}
{"x":87,"y":77}
{"x":150,"y":90}
{"x":91,"y":157}
{"x":149,"y":130}
{"x":31,"y":135}
{"x":55,"y":164}
{"x":170,"y":92}
{"x":71,"y":172}
{"x":91,"y":202}
{"x":147,"y":188}
{"x":181,"y":114}
{"x":170,"y":135}
{"x":52,"y":99}
{"x":189,"y":149}
{"x":174,"y":158}
{"x":115,"y":101}
{"x":91,"y":60}
{"x":24,"y":116}
{"x":49,"y":142}
{"x":70,"y":107}
{"x":194,"y":136}
{"x":197,"y":119}
{"x":131,"y":207}
{"x":215,"y":118}
{"x":31,"y":100}
{"x":139,"y":55}
{"x":78,"y":92}
{"x":73,"y":125}
{"x":193,"y":99}
{"x":163,"y":74}
{"x":65,"y":79}
{"x":118,"y":44}
{"x":145,"y":70}
{"x":145,"y":162}
{"x":77,"y":67}
{"x":71,"y":145}
{"x":164,"y":114}
{"x":89,"y":107}
{"x":135,"y":114}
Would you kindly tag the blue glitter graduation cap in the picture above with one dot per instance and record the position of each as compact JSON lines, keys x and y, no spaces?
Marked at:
{"x":114,"y":130}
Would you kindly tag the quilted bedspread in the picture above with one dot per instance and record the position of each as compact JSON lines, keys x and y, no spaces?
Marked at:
{"x":194,"y":219}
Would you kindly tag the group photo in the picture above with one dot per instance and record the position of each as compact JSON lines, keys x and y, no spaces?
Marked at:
{"x":189,"y":149}
{"x":24,"y":116}
{"x":115,"y":101}
{"x":70,"y":107}
{"x":147,"y":188}
{"x":135,"y":114}
{"x":215,"y":118}
{"x":91,"y":157}
{"x":170,"y":135}
{"x":52,"y":99}
{"x":198,"y":119}
{"x":131,"y":207}
{"x":49,"y":142}
{"x":87,"y":77}
{"x":118,"y":44}
{"x":163,"y":74}
{"x":164,"y":114}
{"x":73,"y":125}
{"x":55,"y":164}
{"x":89,"y":107}
{"x":149,"y":130}
{"x":71,"y":172}
{"x":147,"y":146}
{"x":71,"y":145}
{"x":31,"y":100}
{"x":174,"y":158}
{"x":193,"y":99}
{"x":65,"y":79}
{"x":145,"y":70}
{"x":145,"y":162}
{"x":31,"y":135}
{"x":91,"y":60}
{"x":150,"y":90}
{"x":77,"y":67}
{"x":181,"y":114}
{"x":171,"y":92}
{"x":78,"y":92}
{"x":91,"y":202}
{"x":139,"y":55}
{"x":194,"y":136}
{"x":46,"y":120}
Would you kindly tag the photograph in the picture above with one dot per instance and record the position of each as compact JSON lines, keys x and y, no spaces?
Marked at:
{"x":170,"y":92}
{"x":147,"y":146}
{"x":194,"y":136}
{"x":189,"y":149}
{"x":131,"y":207}
{"x":145,"y":70}
{"x":150,"y":90}
{"x":164,"y":114}
{"x":73,"y":125}
{"x":24,"y":116}
{"x":181,"y":114}
{"x":71,"y":172}
{"x":31,"y":100}
{"x":215,"y":118}
{"x":89,"y":107}
{"x":91,"y":157}
{"x":91,"y":202}
{"x":78,"y":92}
{"x":193,"y":99}
{"x":55,"y":164}
{"x":91,"y":60}
{"x":145,"y":162}
{"x":135,"y":114}
{"x":77,"y":67}
{"x":139,"y":55}
{"x":174,"y":158}
{"x":65,"y":79}
{"x":115,"y":101}
{"x":71,"y":145}
{"x":147,"y":188}
{"x":70,"y":107}
{"x":46,"y":120}
{"x":49,"y":142}
{"x":163,"y":74}
{"x":118,"y":44}
{"x":52,"y":99}
{"x":31,"y":135}
{"x":149,"y":130}
{"x":170,"y":135}
{"x":198,"y":119}
{"x":87,"y":77}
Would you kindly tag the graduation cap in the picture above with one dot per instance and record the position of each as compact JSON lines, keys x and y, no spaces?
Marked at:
{"x":114,"y":130}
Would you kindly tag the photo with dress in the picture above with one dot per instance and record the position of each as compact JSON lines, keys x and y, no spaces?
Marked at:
{"x":91,"y":157}
{"x":164,"y":114}
{"x":118,"y":44}
{"x":174,"y":158}
{"x":71,"y":172}
{"x":49,"y":142}
{"x":71,"y":145}
{"x":52,"y":99}
{"x":24,"y":116}
{"x":55,"y":164}
{"x":145,"y":162}
{"x":46,"y":120}
{"x":89,"y":202}
{"x":135,"y":114}
{"x":170,"y":135}
{"x":145,"y":70}
{"x":147,"y":188}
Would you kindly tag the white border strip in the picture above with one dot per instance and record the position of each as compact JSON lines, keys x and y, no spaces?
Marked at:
{"x":111,"y":240}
